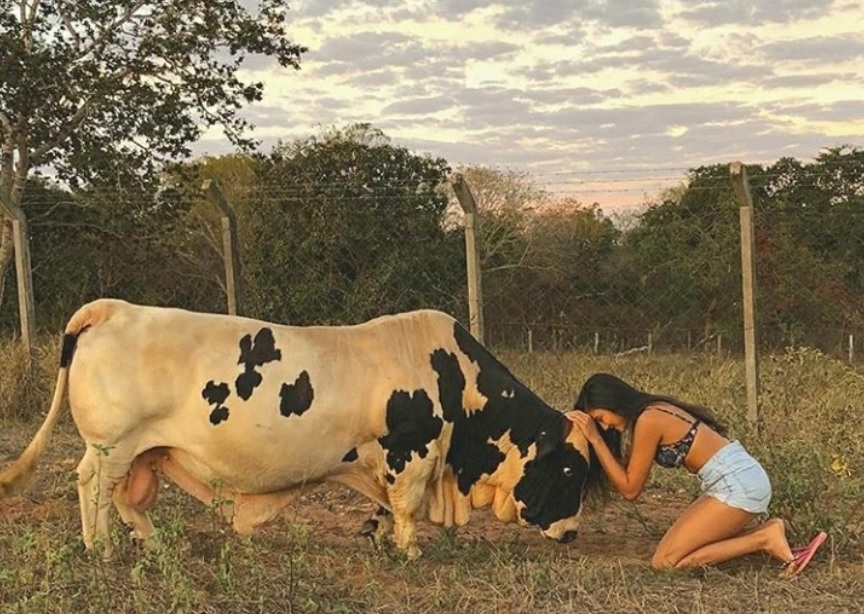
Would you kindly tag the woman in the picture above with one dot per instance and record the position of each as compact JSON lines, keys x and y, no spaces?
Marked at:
{"x":735,"y":487}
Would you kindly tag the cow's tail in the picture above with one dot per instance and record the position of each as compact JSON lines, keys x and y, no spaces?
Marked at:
{"x":15,"y":477}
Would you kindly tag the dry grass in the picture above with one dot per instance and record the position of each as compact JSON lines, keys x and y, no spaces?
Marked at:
{"x":813,"y":447}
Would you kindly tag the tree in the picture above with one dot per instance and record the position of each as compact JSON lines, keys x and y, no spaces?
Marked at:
{"x":826,"y":200}
{"x":570,"y":280}
{"x":686,"y":248}
{"x":346,"y":226}
{"x":505,"y":200}
{"x":106,"y":92}
{"x":92,"y":243}
{"x":810,"y":246}
{"x":200,"y":247}
{"x":809,"y":220}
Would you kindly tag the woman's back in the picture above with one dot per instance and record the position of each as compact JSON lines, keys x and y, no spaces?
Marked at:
{"x":684,"y":439}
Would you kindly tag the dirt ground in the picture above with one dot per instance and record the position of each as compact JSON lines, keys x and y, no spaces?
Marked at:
{"x":316,"y":562}
{"x":333,"y":514}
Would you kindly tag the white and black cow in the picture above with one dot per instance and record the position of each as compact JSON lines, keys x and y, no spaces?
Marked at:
{"x":409,"y":410}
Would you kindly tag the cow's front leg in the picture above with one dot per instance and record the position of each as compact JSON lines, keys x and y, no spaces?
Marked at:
{"x":405,"y":535}
{"x":378,"y":527}
{"x":407,"y":494}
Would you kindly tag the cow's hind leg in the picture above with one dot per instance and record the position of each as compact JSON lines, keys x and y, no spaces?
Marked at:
{"x":252,"y":511}
{"x":136,"y":494}
{"x":140,"y":526}
{"x":99,"y":472}
{"x":245,"y":512}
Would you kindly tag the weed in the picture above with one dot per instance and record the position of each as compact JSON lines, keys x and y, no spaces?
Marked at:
{"x":811,"y":442}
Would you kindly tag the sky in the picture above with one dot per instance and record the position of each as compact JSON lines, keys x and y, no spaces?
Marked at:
{"x":606,"y":101}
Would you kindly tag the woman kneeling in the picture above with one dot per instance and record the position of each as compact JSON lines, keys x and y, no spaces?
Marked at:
{"x":735,"y":487}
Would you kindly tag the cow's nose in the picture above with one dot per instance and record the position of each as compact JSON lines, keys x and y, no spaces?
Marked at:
{"x":568,"y":537}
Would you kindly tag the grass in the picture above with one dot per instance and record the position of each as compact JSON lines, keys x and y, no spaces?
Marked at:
{"x":812,"y":444}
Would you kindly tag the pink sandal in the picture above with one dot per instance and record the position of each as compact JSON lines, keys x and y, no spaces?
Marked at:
{"x":802,"y":556}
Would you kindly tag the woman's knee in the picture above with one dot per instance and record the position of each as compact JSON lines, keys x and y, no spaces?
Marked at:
{"x":665,"y":559}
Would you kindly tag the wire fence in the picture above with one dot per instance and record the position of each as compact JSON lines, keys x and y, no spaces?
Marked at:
{"x":557,"y":275}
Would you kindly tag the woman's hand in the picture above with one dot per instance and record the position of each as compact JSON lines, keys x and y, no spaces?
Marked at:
{"x":586,"y":424}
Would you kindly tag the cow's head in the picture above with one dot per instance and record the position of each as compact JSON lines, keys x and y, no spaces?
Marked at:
{"x":554,"y":484}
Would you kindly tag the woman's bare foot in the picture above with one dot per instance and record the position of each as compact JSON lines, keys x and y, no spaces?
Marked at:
{"x":776,"y":543}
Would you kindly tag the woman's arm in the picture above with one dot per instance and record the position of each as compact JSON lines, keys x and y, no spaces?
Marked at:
{"x":629,"y":480}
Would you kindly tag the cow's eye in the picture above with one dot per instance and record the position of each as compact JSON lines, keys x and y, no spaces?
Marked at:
{"x":568,"y":471}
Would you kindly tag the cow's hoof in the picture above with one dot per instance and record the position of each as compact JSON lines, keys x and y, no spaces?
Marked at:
{"x":100,"y":550}
{"x":369,"y":529}
{"x":146,"y":544}
{"x":377,"y":529}
{"x":373,"y":531}
{"x":413,"y":552}
{"x":568,"y":537}
{"x":107,"y":555}
{"x":140,"y":540}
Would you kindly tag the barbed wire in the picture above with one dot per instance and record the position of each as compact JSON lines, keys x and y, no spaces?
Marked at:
{"x":301,"y":191}
{"x":677,"y":290}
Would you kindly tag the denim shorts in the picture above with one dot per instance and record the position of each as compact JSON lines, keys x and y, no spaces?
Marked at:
{"x":737,"y":479}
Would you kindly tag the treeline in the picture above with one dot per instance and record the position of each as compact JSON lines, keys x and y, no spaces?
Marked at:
{"x":345,"y":226}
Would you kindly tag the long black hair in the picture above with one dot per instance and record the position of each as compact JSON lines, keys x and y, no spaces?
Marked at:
{"x":605,"y":391}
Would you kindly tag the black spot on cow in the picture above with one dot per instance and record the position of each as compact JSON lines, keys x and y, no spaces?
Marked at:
{"x":296,"y":397}
{"x":513,"y":406}
{"x":552,"y":486}
{"x":451,"y":384}
{"x":411,"y":426}
{"x":254,"y":353}
{"x":219,"y":414}
{"x":216,"y":395}
{"x":471,"y":454}
{"x":350,"y":456}
{"x":510,"y":408}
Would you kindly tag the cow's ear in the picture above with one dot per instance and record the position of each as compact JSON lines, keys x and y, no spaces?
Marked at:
{"x":546,"y":443}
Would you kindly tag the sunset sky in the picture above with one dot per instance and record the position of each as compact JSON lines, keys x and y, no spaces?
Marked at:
{"x":605,"y":101}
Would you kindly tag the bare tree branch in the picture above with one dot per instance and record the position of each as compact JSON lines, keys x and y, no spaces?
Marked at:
{"x":70,"y":29}
{"x":34,"y":9}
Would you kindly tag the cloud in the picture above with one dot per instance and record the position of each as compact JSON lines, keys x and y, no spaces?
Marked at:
{"x":718,"y":12}
{"x":419,"y":106}
{"x":798,"y":81}
{"x":812,"y":112}
{"x":367,"y":48}
{"x":819,"y":49}
{"x":530,"y":14}
{"x":552,"y":86}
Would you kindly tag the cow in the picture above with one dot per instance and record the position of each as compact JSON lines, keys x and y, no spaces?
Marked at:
{"x":408,"y":409}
